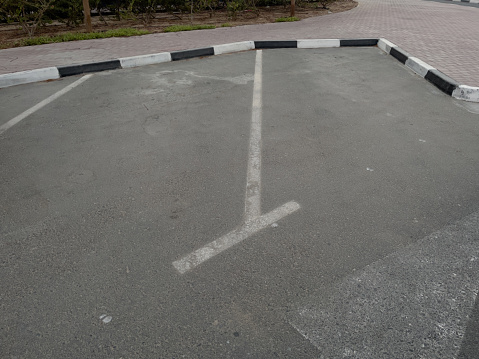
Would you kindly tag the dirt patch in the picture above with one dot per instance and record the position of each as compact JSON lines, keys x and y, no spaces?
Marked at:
{"x":10,"y":34}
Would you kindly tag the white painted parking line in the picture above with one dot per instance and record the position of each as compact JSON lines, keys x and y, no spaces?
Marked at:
{"x":253,"y":177}
{"x":42,"y":104}
{"x":235,"y":236}
{"x":253,"y":220}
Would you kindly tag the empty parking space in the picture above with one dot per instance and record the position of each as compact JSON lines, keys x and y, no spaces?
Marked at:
{"x":14,"y":102}
{"x":113,"y":192}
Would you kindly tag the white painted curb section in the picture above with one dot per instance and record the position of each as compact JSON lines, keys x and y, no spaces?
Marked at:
{"x":25,"y":77}
{"x":418,"y":66}
{"x":318,"y":43}
{"x":234,"y":47}
{"x":466,"y":93}
{"x":385,"y":45}
{"x":143,"y":60}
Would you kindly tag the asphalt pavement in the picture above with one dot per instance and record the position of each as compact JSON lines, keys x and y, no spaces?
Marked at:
{"x":105,"y":187}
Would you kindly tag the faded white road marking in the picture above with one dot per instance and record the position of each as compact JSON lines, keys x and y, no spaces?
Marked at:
{"x":234,"y":237}
{"x":161,"y":80}
{"x":253,"y":220}
{"x":42,"y":104}
{"x":253,"y":176}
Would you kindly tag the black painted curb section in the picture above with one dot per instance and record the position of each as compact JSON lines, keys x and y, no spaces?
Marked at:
{"x":86,"y":68}
{"x":189,"y":54}
{"x":441,"y":81}
{"x":358,"y":42}
{"x":399,"y":54}
{"x":276,"y":44}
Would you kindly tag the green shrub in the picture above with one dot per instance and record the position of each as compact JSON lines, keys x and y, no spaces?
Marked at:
{"x":69,"y":12}
{"x":176,"y":28}
{"x":287,"y":19}
{"x":81,"y":36}
{"x":29,"y":14}
{"x":325,"y":3}
{"x":234,"y":6}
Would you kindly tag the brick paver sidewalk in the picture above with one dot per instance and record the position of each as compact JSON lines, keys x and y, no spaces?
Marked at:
{"x":446,"y":35}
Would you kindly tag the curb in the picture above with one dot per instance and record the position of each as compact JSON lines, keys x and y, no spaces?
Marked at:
{"x":87,"y":68}
{"x":189,"y":54}
{"x":431,"y":74}
{"x":467,"y":1}
{"x":24,"y":77}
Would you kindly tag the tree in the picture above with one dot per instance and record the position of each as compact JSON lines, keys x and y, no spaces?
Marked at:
{"x":28,"y":13}
{"x":86,"y":11}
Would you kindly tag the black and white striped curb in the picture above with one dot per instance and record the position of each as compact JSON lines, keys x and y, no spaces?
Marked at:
{"x":440,"y":80}
{"x":467,"y":1}
{"x":434,"y":76}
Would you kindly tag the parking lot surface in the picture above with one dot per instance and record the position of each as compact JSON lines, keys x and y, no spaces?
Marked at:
{"x":107,"y":186}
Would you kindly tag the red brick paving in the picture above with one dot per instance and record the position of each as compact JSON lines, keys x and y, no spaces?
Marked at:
{"x":445,"y":35}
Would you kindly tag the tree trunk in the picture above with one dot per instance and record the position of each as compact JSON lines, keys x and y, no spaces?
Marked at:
{"x":86,"y":11}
